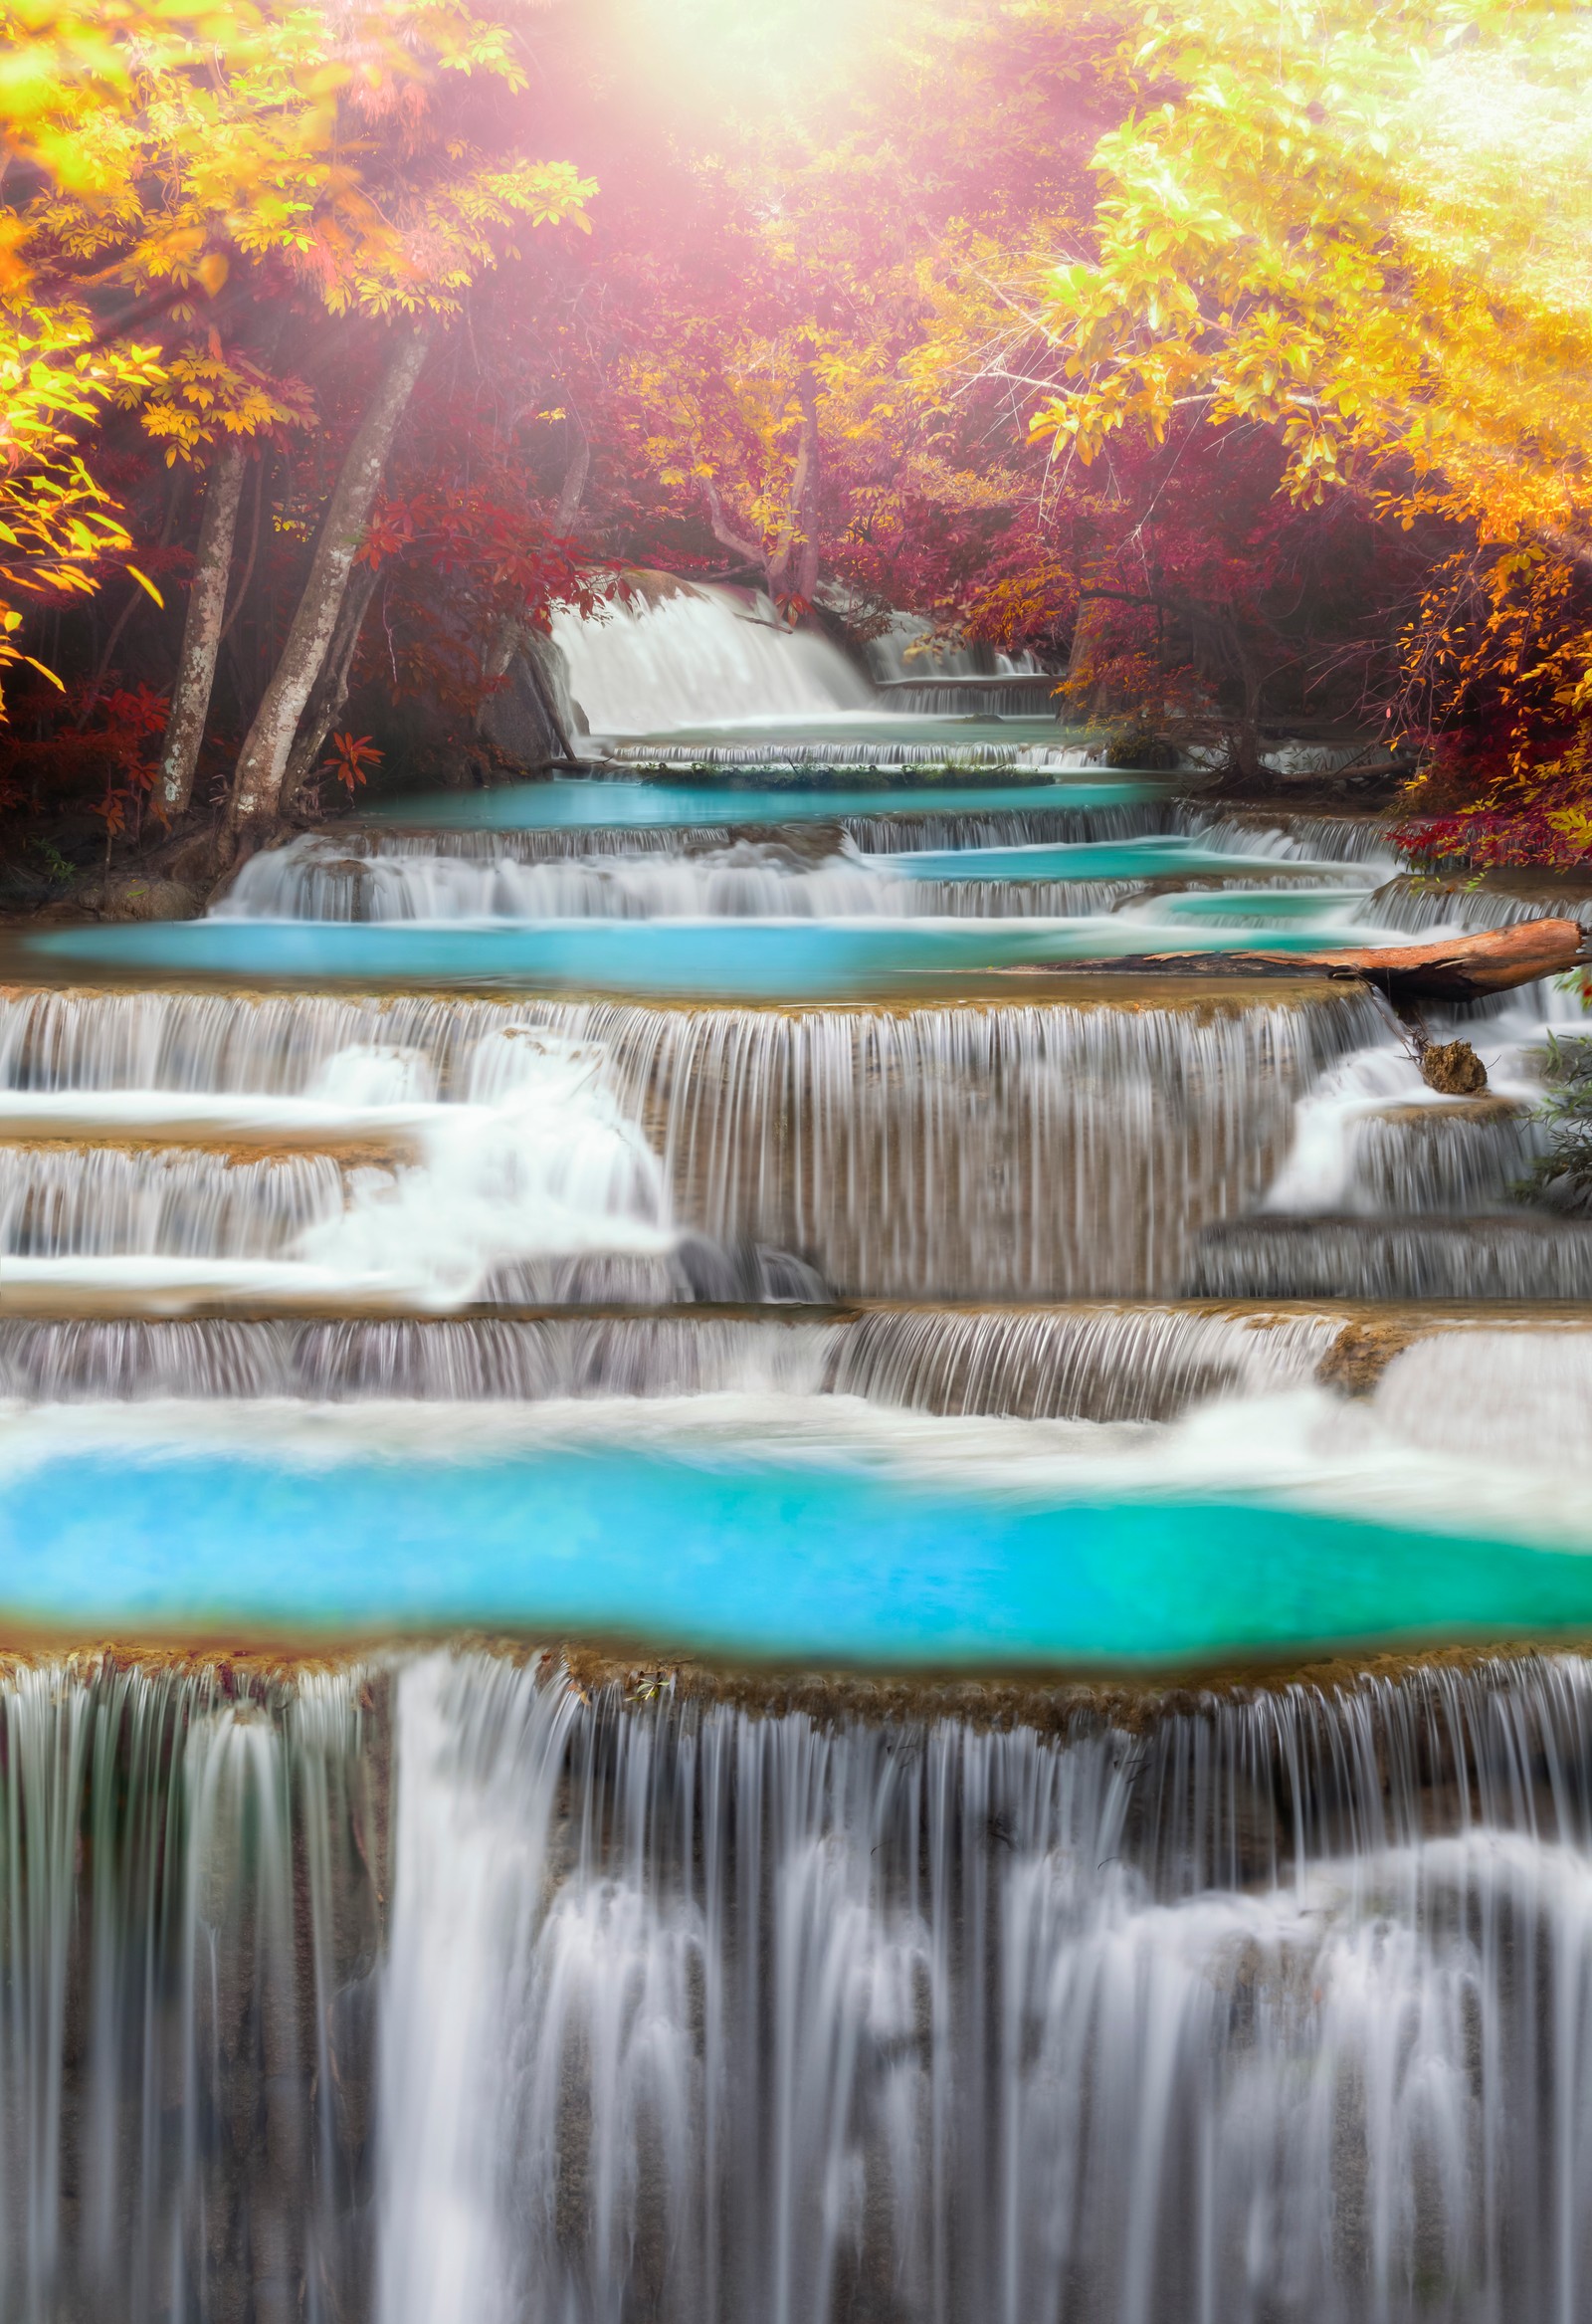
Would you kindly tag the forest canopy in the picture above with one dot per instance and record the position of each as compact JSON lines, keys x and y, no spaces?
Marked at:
{"x":1233,"y":363}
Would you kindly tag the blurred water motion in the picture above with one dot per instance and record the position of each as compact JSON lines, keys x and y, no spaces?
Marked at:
{"x":821,"y":1300}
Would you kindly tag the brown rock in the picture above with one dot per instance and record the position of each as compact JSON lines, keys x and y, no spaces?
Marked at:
{"x":1362,"y":1352}
{"x":1453,"y":1068}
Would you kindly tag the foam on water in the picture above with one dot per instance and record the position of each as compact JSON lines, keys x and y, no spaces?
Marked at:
{"x":582,"y":2001}
{"x":700,"y":654}
{"x":1028,"y":1151}
{"x":317,"y":878}
{"x":536,"y":1162}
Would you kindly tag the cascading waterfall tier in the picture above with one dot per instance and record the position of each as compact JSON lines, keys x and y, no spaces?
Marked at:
{"x":319,"y":869}
{"x":1355,"y":839}
{"x":955,"y":750}
{"x":190,"y":1922}
{"x":821,"y":875}
{"x":1037,"y":1151}
{"x":1103,"y":1363}
{"x":450,"y":1987}
{"x":691,"y":654}
{"x":1273,"y":2010}
{"x":1096,"y":1364}
{"x":1416,"y":906}
{"x":1014,"y":696}
{"x":744,"y":879}
{"x":1533,"y":1256}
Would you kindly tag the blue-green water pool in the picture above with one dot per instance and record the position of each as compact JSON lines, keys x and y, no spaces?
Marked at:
{"x":1155,"y":857}
{"x":740,"y":1558}
{"x":733,"y":960}
{"x":587,"y":805}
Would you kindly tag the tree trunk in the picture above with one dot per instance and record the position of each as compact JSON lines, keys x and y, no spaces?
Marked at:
{"x":263,"y":762}
{"x":1090,"y":630}
{"x":135,"y":599}
{"x":728,"y":534}
{"x":804,"y":490}
{"x":577,"y":469}
{"x":201,"y":630}
{"x":331,"y":689}
{"x":1460,"y":967}
{"x":793,"y":569}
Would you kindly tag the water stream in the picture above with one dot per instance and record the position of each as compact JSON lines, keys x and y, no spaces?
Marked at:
{"x":458,"y":1989}
{"x":711,"y":1488}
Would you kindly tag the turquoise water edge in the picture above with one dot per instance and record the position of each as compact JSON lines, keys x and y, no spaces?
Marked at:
{"x":749,"y":960}
{"x":757,"y":1560}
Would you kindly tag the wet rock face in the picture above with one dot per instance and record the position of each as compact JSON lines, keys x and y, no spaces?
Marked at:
{"x":1453,"y":1069}
{"x":1361,"y":1353}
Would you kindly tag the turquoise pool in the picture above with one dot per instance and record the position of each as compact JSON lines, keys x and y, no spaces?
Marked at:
{"x":587,"y":805}
{"x":733,"y":960}
{"x":734,"y":1556}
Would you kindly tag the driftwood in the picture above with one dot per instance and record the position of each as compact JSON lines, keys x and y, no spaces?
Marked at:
{"x":1465,"y":968}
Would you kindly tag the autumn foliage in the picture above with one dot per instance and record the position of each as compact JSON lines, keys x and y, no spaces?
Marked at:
{"x":1234,"y":360}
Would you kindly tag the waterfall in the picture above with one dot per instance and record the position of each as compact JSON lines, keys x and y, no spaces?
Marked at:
{"x":961,"y":1150}
{"x":484,"y":1357}
{"x":913,"y":823}
{"x":907,"y":650}
{"x":823,"y":876}
{"x":1016,"y":695}
{"x":1275,"y":2009}
{"x":955,"y":747}
{"x":189,"y":1923}
{"x":463,"y":1987}
{"x":881,"y":834}
{"x":1531,"y":1256}
{"x":699,"y":656}
{"x":470,"y":1978}
{"x":1100,"y":1363}
{"x":1105,"y":1363}
{"x":744,"y":879}
{"x":1347,"y":839}
{"x":93,"y":1201}
{"x":532,"y":1179}
{"x":1083,"y":1363}
{"x":1418,"y":905}
{"x":1371,"y":1138}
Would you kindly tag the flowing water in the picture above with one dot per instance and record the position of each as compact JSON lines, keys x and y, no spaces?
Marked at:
{"x":528,"y":1238}
{"x":452,"y":1989}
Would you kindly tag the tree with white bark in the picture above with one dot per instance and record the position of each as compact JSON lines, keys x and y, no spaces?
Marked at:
{"x":314,"y":179}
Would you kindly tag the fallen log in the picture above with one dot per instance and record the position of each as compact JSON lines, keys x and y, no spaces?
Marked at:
{"x":1465,"y":968}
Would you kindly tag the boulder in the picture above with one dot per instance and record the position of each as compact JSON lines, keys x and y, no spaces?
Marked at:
{"x":1453,"y":1068}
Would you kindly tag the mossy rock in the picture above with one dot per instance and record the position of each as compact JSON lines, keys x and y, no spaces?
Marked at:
{"x":1453,"y":1069}
{"x":127,"y":895}
{"x":1140,"y":746}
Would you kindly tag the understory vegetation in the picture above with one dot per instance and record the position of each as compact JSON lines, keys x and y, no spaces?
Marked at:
{"x":1562,"y":1175}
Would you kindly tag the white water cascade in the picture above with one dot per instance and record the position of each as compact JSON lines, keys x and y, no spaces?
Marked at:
{"x":745,"y":879}
{"x":450,"y":1987}
{"x":189,"y":1927}
{"x":394,"y":1970}
{"x":701,"y":656}
{"x":1276,"y":2010}
{"x":993,"y":1151}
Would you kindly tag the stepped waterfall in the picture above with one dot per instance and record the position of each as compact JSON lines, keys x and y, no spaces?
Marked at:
{"x":737,"y":1594}
{"x":468,"y":1986}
